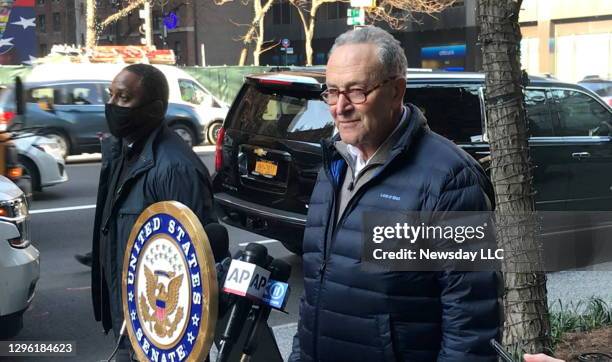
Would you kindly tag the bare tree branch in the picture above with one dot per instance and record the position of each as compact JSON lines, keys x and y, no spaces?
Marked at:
{"x":399,"y":13}
{"x":121,"y":13}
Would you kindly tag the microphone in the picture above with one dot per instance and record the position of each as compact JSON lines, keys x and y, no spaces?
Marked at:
{"x":219,"y":240}
{"x":276,"y":296}
{"x":245,"y":278}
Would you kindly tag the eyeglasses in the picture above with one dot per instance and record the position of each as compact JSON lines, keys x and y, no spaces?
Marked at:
{"x":355,"y":96}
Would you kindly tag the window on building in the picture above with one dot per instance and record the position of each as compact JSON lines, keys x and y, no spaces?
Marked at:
{"x":281,"y":13}
{"x":40,"y":2}
{"x":57,"y":22}
{"x":41,"y":24}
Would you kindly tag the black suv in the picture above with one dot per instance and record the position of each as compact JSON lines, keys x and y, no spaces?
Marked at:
{"x":268,"y":152}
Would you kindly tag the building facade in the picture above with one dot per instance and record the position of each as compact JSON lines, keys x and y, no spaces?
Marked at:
{"x":199,"y":32}
{"x":56,"y":21}
{"x":446,"y":41}
{"x":568,"y":39}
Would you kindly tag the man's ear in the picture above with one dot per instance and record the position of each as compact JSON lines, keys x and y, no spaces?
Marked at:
{"x":158,"y":107}
{"x":399,"y":89}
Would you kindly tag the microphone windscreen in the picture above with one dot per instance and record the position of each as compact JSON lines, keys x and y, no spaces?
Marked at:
{"x":219,"y":240}
{"x":255,"y":254}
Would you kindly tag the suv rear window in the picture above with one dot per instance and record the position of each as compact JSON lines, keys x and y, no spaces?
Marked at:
{"x":452,"y":111}
{"x":286,"y":114}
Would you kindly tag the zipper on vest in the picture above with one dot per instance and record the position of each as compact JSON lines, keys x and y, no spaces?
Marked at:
{"x":323,"y":266}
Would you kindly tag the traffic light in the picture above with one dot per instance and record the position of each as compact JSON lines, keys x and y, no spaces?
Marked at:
{"x":355,"y":16}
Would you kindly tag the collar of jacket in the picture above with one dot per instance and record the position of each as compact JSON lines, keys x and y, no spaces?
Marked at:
{"x":111,"y":150}
{"x":417,"y":124}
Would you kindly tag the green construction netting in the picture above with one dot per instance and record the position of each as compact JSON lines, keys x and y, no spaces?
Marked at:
{"x":223,"y":81}
{"x":9,"y":72}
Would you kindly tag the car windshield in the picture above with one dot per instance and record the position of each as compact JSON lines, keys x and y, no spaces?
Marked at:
{"x":294,"y":115}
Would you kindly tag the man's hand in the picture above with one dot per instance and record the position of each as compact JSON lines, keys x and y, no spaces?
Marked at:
{"x":540,"y":357}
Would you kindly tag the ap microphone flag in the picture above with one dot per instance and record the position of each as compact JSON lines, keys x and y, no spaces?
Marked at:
{"x":246,"y":279}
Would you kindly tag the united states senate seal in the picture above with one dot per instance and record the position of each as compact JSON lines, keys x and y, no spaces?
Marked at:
{"x":169,"y":285}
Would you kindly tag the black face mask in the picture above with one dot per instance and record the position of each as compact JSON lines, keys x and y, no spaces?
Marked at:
{"x":131,"y":121}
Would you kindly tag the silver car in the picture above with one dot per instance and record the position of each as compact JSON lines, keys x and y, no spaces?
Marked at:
{"x":19,"y":260}
{"x":41,"y":159}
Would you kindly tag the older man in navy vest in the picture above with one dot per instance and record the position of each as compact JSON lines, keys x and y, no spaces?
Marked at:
{"x":384,"y":147}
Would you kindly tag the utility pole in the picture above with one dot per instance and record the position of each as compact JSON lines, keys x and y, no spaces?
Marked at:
{"x":146,"y":28}
{"x":91,"y":35}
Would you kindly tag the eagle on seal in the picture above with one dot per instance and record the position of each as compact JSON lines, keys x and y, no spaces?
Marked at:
{"x":163,"y":301}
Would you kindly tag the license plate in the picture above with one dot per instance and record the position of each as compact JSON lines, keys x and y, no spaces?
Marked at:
{"x":266,"y":168}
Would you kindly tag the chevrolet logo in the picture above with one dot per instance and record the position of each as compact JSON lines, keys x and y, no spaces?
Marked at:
{"x":260,"y":152}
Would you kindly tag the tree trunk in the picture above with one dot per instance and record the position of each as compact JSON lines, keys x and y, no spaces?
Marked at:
{"x":526,"y":314}
{"x":258,"y":45}
{"x":91,"y":37}
{"x":243,"y":56}
{"x":308,"y":41}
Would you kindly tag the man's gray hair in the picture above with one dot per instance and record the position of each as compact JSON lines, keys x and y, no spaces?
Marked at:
{"x":390,"y":52}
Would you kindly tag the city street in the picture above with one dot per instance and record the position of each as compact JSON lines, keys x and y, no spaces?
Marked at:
{"x":61,"y":225}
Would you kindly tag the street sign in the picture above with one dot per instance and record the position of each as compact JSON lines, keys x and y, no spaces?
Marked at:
{"x":363,"y":3}
{"x":355,"y":16}
{"x":285,"y":43}
{"x":171,"y":20}
{"x":289,"y":50}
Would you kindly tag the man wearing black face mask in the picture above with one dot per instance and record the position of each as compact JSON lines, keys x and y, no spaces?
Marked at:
{"x":144,"y":163}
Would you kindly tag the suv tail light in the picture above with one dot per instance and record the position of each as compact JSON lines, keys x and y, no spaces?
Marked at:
{"x":6,"y":117}
{"x":219,"y":149}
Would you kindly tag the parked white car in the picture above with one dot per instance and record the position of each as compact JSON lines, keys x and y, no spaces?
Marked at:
{"x":42,"y":160}
{"x":19,"y":260}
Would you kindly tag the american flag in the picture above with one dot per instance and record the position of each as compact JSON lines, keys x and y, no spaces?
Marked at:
{"x":18,"y":38}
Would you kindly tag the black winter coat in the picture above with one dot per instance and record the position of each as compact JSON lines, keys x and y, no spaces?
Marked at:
{"x":351,"y":314}
{"x":167,"y":169}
